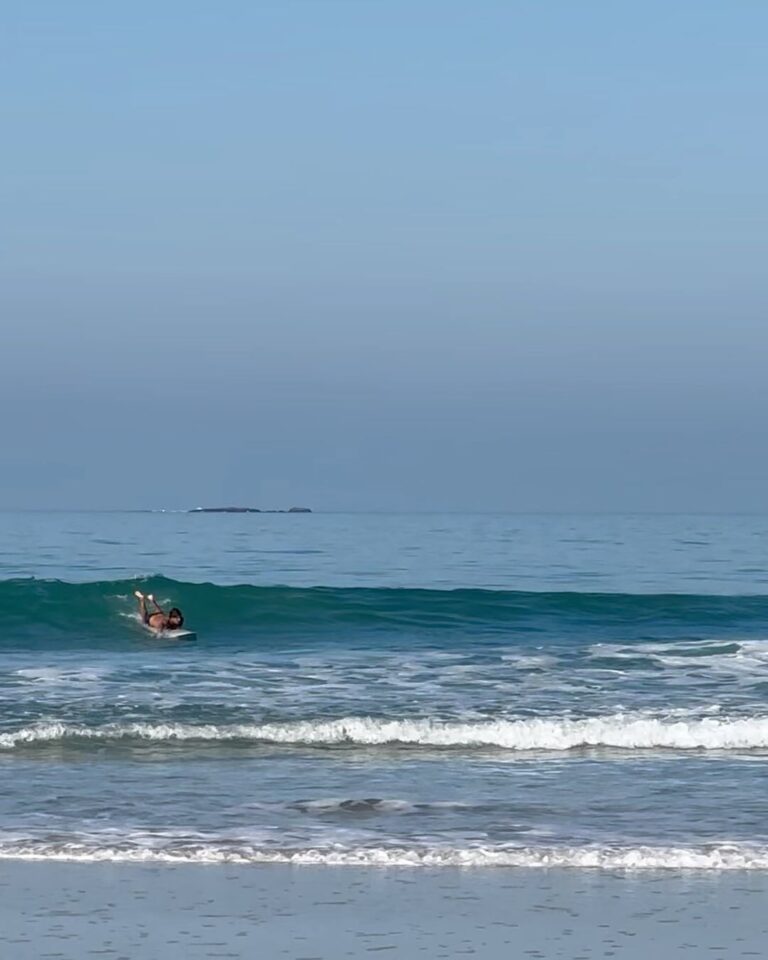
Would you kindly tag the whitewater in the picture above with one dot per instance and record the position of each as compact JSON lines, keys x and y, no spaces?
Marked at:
{"x":619,"y":732}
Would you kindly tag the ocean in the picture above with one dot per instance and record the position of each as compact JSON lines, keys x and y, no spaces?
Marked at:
{"x":585,"y":692}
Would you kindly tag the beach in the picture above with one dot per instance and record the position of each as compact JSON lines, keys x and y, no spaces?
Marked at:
{"x":71,"y":911}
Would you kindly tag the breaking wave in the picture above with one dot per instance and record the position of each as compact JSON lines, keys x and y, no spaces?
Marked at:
{"x":709,"y":858}
{"x":618,"y":731}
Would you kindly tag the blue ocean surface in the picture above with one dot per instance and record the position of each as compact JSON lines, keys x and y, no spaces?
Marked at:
{"x":500,"y":690}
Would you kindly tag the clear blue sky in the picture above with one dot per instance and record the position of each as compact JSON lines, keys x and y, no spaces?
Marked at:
{"x":389,"y":254}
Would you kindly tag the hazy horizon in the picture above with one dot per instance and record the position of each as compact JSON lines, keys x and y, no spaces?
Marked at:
{"x":399,"y":258}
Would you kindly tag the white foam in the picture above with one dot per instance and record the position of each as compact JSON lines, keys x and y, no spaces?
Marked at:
{"x":61,"y":675}
{"x":617,"y":731}
{"x":719,"y":858}
{"x":530,"y":661}
{"x":40,"y":673}
{"x":353,"y":805}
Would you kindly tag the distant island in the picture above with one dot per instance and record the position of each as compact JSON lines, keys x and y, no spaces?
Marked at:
{"x":247,"y":510}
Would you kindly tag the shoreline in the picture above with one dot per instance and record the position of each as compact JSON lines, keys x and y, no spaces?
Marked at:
{"x":183,"y":912}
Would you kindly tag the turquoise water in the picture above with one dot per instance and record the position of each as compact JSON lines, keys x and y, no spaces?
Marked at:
{"x":421,"y":689}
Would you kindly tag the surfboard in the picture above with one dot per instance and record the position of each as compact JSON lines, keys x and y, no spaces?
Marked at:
{"x":172,"y":634}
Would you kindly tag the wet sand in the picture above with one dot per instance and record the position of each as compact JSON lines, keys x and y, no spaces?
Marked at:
{"x":70,"y":911}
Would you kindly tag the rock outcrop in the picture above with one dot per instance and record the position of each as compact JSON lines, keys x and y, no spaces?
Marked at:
{"x":247,"y":510}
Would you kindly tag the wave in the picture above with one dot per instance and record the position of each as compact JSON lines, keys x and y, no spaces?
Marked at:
{"x":720,"y":857}
{"x":55,"y":610}
{"x":616,"y":732}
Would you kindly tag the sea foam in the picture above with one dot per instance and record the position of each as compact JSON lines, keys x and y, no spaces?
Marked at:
{"x":616,"y":731}
{"x":713,"y":858}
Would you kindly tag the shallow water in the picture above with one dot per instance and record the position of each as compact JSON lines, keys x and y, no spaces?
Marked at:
{"x":182,"y":913}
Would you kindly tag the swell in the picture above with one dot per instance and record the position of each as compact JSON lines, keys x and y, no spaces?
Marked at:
{"x":47,"y":610}
{"x":613,"y":732}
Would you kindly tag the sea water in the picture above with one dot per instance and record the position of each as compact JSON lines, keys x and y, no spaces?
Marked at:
{"x":502,"y":690}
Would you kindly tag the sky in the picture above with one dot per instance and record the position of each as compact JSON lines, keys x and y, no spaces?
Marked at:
{"x":384,"y":254}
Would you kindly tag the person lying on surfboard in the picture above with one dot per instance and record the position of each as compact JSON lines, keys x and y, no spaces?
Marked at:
{"x":159,"y":619}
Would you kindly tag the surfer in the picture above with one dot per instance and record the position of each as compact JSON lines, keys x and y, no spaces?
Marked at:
{"x":159,"y":619}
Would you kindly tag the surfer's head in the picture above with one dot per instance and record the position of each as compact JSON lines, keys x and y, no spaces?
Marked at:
{"x":175,"y":618}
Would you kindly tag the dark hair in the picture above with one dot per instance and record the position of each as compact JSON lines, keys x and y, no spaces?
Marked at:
{"x":175,"y":614}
